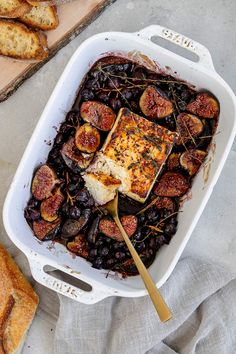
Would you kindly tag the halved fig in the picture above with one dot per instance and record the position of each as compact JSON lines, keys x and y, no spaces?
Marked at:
{"x":75,"y":159}
{"x":50,"y":206}
{"x":188,"y":127}
{"x":110,"y":229}
{"x":72,"y":227}
{"x":79,"y":246}
{"x":172,"y":184}
{"x":45,"y":230}
{"x":165,"y":203}
{"x":192,"y":159}
{"x":204,"y":105}
{"x":98,"y":114}
{"x":87,"y":138}
{"x":173,"y":161}
{"x":43,"y":182}
{"x":155,"y":104}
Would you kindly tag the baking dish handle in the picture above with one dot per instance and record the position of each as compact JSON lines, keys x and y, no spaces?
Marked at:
{"x":180,"y":40}
{"x":64,"y":288}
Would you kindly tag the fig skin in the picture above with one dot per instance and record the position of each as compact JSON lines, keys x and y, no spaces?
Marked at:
{"x":171,"y":184}
{"x":50,"y":206}
{"x":45,"y":230}
{"x":87,"y":138}
{"x":191,"y":160}
{"x":73,"y":158}
{"x":189,"y":127}
{"x":79,"y":246}
{"x":165,"y":203}
{"x":98,"y":114}
{"x":43,"y":182}
{"x":110,"y":229}
{"x":173,"y":161}
{"x":72,"y":227}
{"x":155,"y":104}
{"x":205,"y":105}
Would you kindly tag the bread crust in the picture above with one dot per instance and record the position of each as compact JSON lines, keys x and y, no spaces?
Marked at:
{"x":41,"y":52}
{"x":21,"y":9}
{"x":33,"y":21}
{"x":18,"y":303}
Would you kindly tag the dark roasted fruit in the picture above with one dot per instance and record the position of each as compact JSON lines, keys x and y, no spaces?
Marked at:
{"x":72,"y":227}
{"x":152,"y":215}
{"x":192,"y":159}
{"x":74,"y":212}
{"x":87,"y":138}
{"x":115,"y":103}
{"x":72,"y":119}
{"x":50,"y":206}
{"x":155,"y":104}
{"x":93,"y":231}
{"x":75,"y":159}
{"x":97,"y":263}
{"x":87,"y":94}
{"x":110,"y":229}
{"x":171,"y":184}
{"x":173,"y":161}
{"x":188,"y":127}
{"x":79,"y":246}
{"x":43,"y":182}
{"x":46,"y":230}
{"x":165,"y":203}
{"x":205,"y":105}
{"x":98,"y":114}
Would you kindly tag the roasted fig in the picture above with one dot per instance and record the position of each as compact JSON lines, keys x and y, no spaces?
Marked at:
{"x":72,"y":227}
{"x":87,"y":138}
{"x":173,"y":161}
{"x":205,"y":105}
{"x":165,"y":203}
{"x":188,"y":127}
{"x":93,"y":231}
{"x":43,"y":182}
{"x":98,"y":114}
{"x":191,"y":160}
{"x":50,"y":206}
{"x":76,"y":160}
{"x":110,"y":229}
{"x":154,"y":103}
{"x":79,"y":246}
{"x":171,"y":184}
{"x":45,"y":230}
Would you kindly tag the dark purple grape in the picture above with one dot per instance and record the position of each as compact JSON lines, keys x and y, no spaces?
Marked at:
{"x":103,"y":251}
{"x":120,"y":255}
{"x":110,"y":262}
{"x":99,"y":242}
{"x":152,"y":214}
{"x":98,"y":263}
{"x":138,"y":235}
{"x":93,"y":252}
{"x":152,"y":243}
{"x":87,"y":95}
{"x":32,"y":214}
{"x":141,"y":218}
{"x":113,"y":82}
{"x":72,"y":188}
{"x":65,"y":209}
{"x":115,"y":103}
{"x":32,"y":203}
{"x":127,"y":94}
{"x":140,"y":247}
{"x":103,"y":96}
{"x":72,"y":118}
{"x":92,"y":84}
{"x":170,"y":229}
{"x":89,"y":202}
{"x":83,"y":195}
{"x":74,"y":212}
{"x":95,"y":74}
{"x":170,"y":122}
{"x":59,"y":139}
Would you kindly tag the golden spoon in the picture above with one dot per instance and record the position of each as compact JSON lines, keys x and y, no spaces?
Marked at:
{"x":158,"y":301}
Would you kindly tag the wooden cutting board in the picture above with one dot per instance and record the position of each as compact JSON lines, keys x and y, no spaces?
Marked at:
{"x":73,"y":17}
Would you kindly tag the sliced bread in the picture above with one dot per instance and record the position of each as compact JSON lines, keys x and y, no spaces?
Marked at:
{"x":18,"y":41}
{"x":42,"y":17}
{"x":14,"y":8}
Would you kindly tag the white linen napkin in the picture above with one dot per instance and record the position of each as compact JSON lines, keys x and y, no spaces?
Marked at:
{"x":201,"y":293}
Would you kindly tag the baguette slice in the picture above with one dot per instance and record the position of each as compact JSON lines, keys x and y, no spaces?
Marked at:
{"x":48,"y":2}
{"x":18,"y":41}
{"x":18,"y":303}
{"x":42,"y":17}
{"x":14,"y":8}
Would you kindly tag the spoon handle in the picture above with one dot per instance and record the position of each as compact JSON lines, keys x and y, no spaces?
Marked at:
{"x":161,"y":307}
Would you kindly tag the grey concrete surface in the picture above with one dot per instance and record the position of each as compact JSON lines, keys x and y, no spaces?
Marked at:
{"x":211,"y":22}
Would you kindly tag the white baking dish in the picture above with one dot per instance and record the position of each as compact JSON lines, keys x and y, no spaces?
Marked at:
{"x":201,"y":74}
